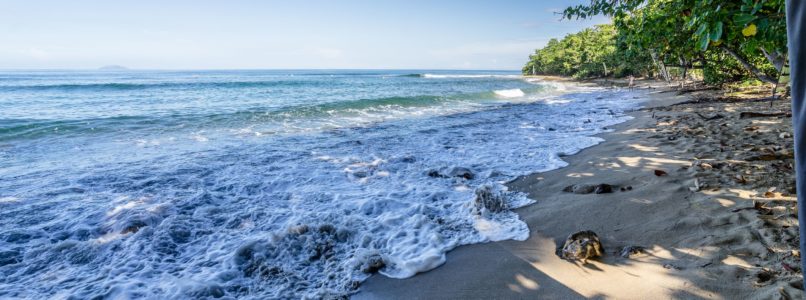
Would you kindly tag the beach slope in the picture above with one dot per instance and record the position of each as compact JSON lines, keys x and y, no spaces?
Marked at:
{"x":701,"y":240}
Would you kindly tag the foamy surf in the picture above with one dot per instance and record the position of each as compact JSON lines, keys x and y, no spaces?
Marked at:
{"x":198,"y":205}
{"x":470,"y":76}
{"x":513,"y":93}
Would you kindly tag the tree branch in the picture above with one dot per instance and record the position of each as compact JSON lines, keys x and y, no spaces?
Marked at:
{"x":760,"y":75}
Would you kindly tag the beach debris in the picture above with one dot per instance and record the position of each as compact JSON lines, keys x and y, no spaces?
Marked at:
{"x":772,"y":155}
{"x":712,"y":117}
{"x":706,"y":166}
{"x":770,"y":193}
{"x":602,"y":188}
{"x":488,"y":199}
{"x":790,"y":268}
{"x":760,"y":207}
{"x":582,"y":245}
{"x":626,"y":188}
{"x":628,"y":251}
{"x":763,"y":277}
{"x":749,"y":114}
{"x":660,"y":173}
{"x":671,"y":267}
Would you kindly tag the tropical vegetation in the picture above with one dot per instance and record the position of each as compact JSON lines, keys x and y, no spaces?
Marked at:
{"x":722,"y":41}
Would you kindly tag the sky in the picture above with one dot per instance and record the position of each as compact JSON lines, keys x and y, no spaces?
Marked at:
{"x":239,"y":34}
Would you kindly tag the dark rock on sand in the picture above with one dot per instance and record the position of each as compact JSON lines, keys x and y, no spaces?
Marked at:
{"x":486,"y":199}
{"x":601,"y":188}
{"x":579,"y":189}
{"x":581,"y":245}
{"x":435,"y":174}
{"x":374,"y":263}
{"x":460,"y":172}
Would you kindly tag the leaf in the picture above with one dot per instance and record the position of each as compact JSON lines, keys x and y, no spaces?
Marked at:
{"x":717,"y":33}
{"x":743,"y":19}
{"x":756,"y":7}
{"x":750,"y":30}
{"x":704,"y":42}
{"x":702,"y":29}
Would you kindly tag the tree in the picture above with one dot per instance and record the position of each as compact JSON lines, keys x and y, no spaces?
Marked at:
{"x":688,"y":29}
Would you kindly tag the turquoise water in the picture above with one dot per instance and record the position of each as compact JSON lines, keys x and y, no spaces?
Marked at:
{"x":260,"y":184}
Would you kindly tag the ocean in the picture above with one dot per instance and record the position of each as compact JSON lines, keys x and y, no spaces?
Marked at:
{"x":268,"y":183}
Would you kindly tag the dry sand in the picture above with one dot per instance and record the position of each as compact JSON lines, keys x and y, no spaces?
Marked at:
{"x":720,"y":224}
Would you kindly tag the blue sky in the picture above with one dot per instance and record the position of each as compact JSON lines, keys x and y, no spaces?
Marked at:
{"x":406,"y":34}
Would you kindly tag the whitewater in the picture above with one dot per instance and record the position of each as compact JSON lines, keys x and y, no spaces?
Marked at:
{"x":268,"y":184}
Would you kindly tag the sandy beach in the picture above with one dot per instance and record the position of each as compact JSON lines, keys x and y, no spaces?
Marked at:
{"x":718,"y":223}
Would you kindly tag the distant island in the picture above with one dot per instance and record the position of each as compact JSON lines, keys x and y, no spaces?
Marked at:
{"x":113,"y":68}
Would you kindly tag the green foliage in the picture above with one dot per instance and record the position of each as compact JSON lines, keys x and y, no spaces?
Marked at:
{"x":729,"y":40}
{"x":588,"y":53}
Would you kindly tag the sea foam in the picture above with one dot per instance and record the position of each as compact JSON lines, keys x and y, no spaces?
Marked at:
{"x":510,"y":93}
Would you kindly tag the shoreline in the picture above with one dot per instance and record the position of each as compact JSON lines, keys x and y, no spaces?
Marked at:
{"x":691,"y":252}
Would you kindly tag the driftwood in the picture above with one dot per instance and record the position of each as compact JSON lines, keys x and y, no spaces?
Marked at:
{"x":749,"y":114}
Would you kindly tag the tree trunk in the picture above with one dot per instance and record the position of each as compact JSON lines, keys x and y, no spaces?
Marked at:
{"x":760,"y":75}
{"x":605,"y":68}
{"x":659,"y":65}
{"x":684,"y":65}
{"x":775,"y":58}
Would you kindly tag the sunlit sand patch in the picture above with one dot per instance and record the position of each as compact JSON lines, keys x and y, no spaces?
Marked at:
{"x":644,"y":148}
{"x":580,"y":175}
{"x":735,"y":261}
{"x":526,"y":282}
{"x":726,"y":202}
{"x":650,"y":162}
